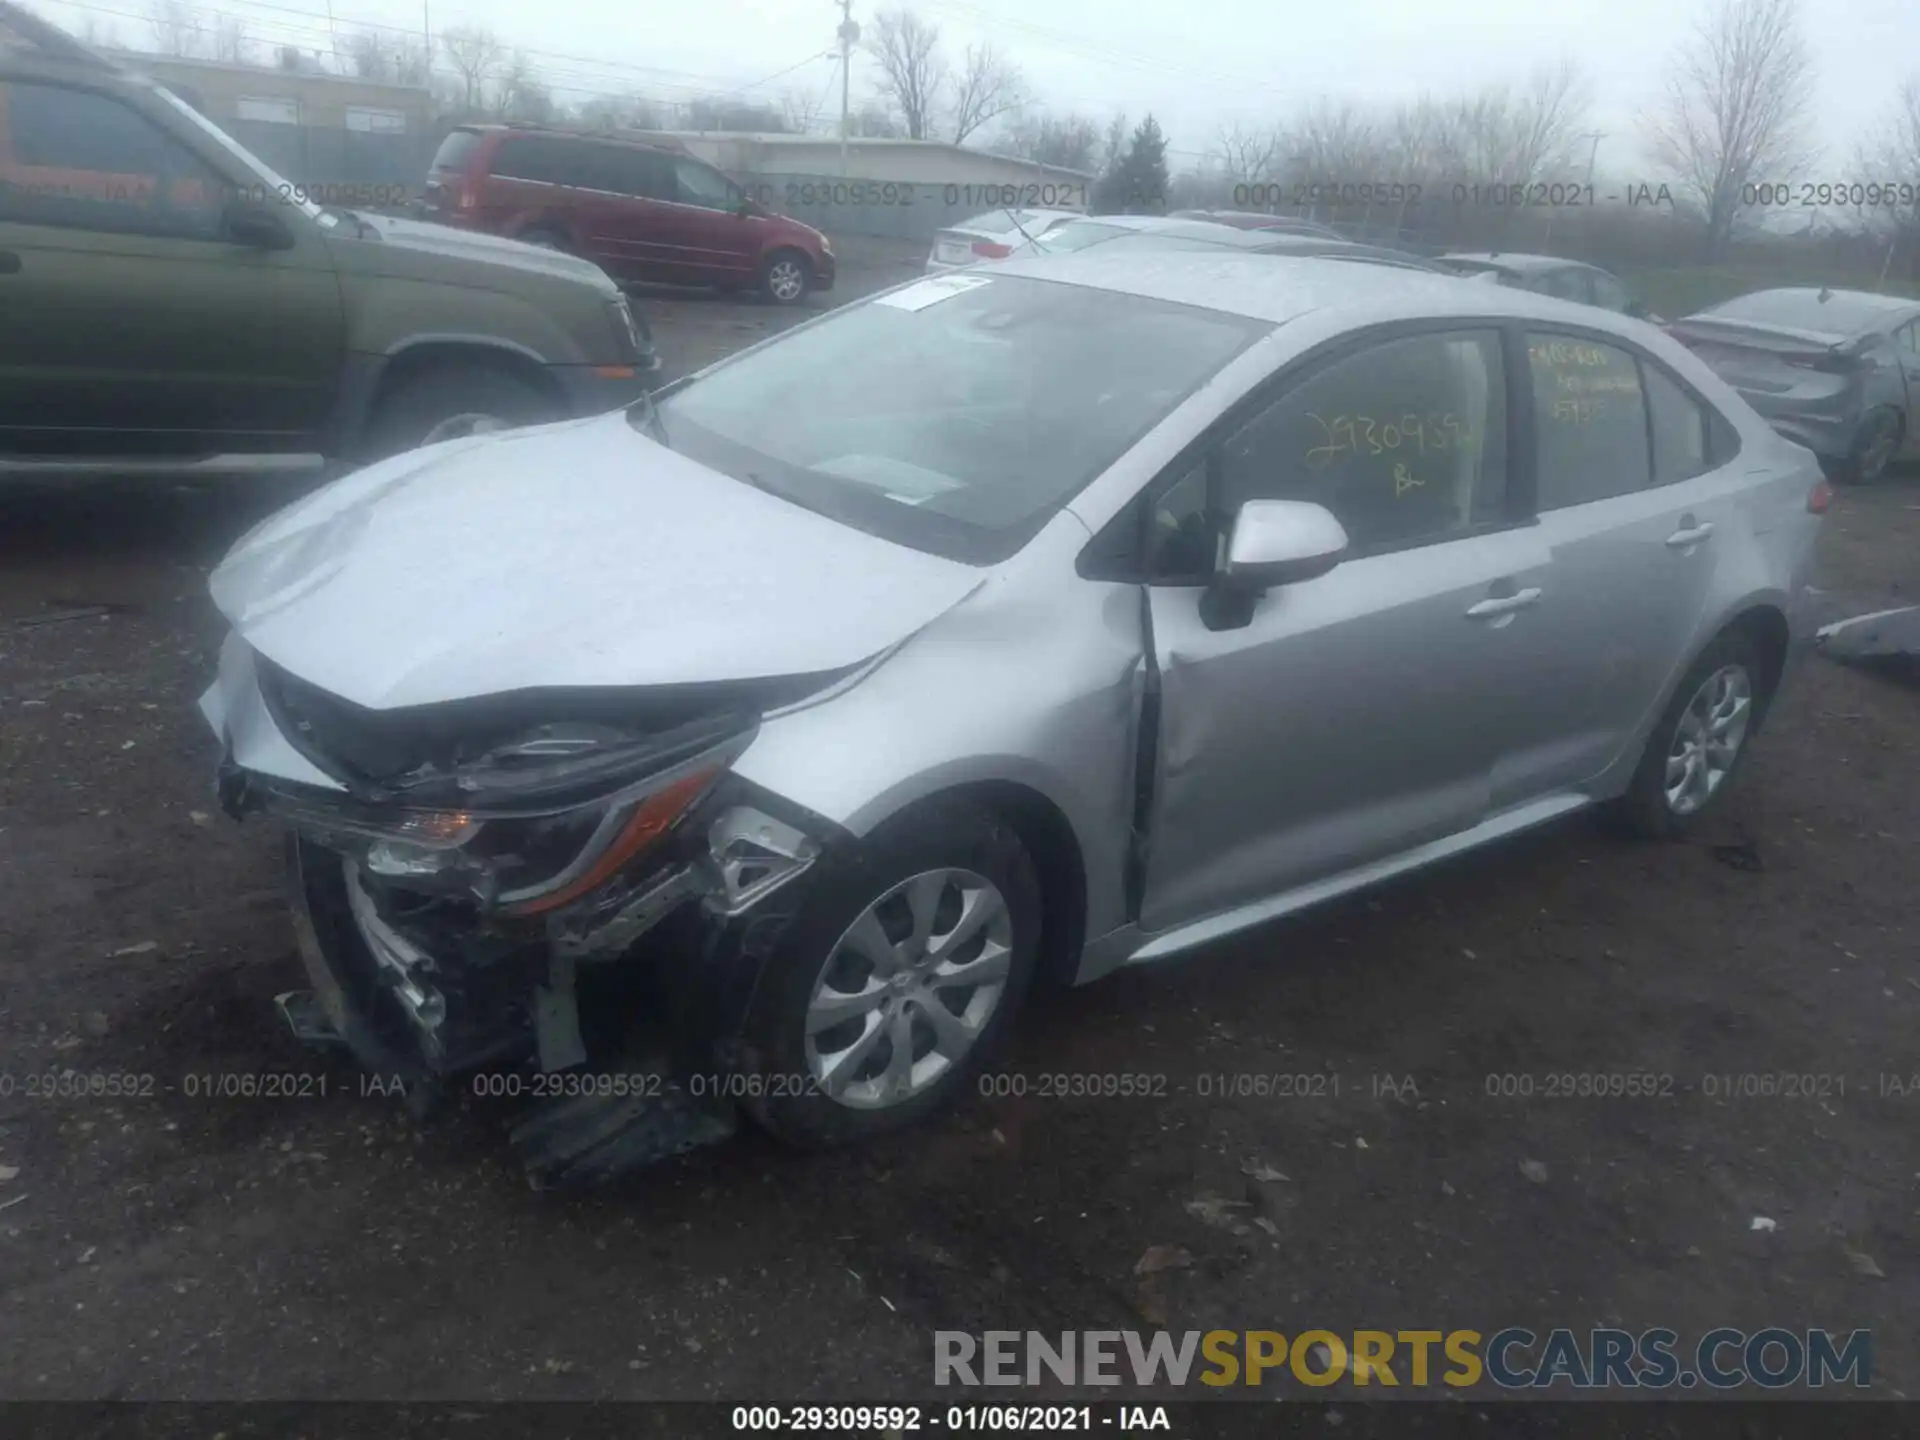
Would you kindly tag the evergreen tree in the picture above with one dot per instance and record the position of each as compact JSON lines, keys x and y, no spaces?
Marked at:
{"x":1137,"y":183}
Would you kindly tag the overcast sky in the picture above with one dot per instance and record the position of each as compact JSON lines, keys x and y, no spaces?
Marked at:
{"x":1195,"y":67}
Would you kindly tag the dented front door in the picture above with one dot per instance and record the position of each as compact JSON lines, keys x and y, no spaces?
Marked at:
{"x":1357,"y":715}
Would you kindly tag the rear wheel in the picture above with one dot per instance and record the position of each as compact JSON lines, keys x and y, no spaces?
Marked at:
{"x":453,"y":400}
{"x":786,"y":277}
{"x":1703,"y":735}
{"x":1873,"y":450}
{"x":898,"y":981}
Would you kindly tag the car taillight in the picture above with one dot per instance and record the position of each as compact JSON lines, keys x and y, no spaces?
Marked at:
{"x":991,"y":249}
{"x":1819,"y":498}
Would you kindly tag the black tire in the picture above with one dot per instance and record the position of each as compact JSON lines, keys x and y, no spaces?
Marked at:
{"x":1645,"y":809}
{"x":438,"y":398}
{"x":948,"y":834}
{"x":1873,"y":450}
{"x":780,"y":271}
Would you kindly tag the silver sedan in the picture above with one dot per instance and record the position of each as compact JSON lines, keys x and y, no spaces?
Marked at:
{"x":1012,"y":625}
{"x":1835,"y":370}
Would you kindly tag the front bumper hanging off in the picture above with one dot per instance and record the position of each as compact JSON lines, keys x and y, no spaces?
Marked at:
{"x":597,"y":1015}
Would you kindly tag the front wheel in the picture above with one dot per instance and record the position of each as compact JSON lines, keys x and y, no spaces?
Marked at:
{"x":786,"y":277}
{"x":452,"y":400}
{"x":1703,"y":735}
{"x":896,"y":983}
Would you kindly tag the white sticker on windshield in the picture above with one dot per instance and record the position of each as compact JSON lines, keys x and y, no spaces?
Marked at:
{"x":932,"y":291}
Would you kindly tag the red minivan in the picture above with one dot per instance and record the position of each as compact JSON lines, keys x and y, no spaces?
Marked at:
{"x":642,"y":213}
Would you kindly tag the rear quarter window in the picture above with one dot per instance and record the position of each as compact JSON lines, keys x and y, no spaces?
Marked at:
{"x":454,"y":150}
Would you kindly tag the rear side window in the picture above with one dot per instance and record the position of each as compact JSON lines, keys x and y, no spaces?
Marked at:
{"x":1679,"y":428}
{"x":1590,"y":421}
{"x":1608,"y":291}
{"x":539,"y":158}
{"x":455,"y":150}
{"x":645,"y":174}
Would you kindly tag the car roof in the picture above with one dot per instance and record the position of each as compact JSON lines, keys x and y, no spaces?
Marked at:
{"x":1279,"y":288}
{"x":1515,"y":262}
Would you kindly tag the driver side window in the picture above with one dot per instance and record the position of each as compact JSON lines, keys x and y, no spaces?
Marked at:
{"x":1405,"y":442}
{"x":697,"y":185}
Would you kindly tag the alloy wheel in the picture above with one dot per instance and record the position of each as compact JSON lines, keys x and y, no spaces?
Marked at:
{"x":909,"y":988}
{"x":1708,"y":738}
{"x":785,"y":280}
{"x":1878,"y":451}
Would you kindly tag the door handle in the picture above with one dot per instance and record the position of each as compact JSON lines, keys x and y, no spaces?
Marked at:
{"x":1681,"y":539}
{"x":9,"y":263}
{"x":1504,"y":604}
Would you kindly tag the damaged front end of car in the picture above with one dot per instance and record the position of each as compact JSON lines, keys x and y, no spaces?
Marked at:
{"x":547,"y":891}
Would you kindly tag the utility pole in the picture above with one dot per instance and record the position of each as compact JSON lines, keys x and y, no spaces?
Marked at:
{"x":849,"y":33}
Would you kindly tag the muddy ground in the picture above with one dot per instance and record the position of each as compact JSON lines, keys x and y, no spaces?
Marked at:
{"x":171,"y":1246}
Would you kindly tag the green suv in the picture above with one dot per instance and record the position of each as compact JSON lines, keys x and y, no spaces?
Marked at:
{"x":167,"y":302}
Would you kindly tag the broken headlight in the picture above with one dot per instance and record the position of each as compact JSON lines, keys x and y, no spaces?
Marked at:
{"x":544,"y":846}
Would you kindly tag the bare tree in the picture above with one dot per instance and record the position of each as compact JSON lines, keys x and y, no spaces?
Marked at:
{"x":801,"y":109}
{"x":176,"y":29}
{"x":989,"y":86}
{"x":519,"y":93}
{"x":912,"y":72}
{"x":230,"y":40}
{"x":1332,"y":142}
{"x":1733,"y":109}
{"x":1067,"y":142}
{"x":1248,"y":155}
{"x":874,"y":121}
{"x":1550,"y":111}
{"x":474,"y":52}
{"x":380,"y":55}
{"x":1887,"y":160}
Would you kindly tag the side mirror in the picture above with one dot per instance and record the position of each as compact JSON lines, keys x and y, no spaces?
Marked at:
{"x":1273,"y":543}
{"x":256,"y":226}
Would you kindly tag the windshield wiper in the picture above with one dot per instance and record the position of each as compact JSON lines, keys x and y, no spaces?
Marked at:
{"x":1033,"y":240}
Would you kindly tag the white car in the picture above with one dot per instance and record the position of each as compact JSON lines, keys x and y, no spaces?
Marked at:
{"x":992,"y":236}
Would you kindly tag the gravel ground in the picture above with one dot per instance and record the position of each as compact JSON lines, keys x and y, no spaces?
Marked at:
{"x":165,"y":1246}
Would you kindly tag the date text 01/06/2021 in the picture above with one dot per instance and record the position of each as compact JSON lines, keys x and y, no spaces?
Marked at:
{"x":907,"y":1419}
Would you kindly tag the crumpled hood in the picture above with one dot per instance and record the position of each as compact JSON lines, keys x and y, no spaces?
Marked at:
{"x":450,"y":242}
{"x":576,"y":554}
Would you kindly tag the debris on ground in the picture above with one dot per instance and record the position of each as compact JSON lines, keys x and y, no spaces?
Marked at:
{"x":1863,"y":1264}
{"x":1213,"y":1210}
{"x":8,"y":1172}
{"x":1162,"y":1257}
{"x":144,"y":947}
{"x":1741,"y":857}
{"x":1534,"y":1170}
{"x":1261,"y":1171}
{"x":1763,"y":1224}
{"x":1884,"y":639}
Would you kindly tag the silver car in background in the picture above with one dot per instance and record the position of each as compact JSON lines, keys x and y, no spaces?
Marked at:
{"x":1835,"y":370}
{"x":1018,"y":624}
{"x":990,"y":236}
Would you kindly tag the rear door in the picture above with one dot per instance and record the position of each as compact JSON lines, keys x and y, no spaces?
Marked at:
{"x":722,"y":244}
{"x":1361,"y":713}
{"x":129,"y":323}
{"x":631,"y":219}
{"x":1636,"y":504}
{"x":447,"y":173}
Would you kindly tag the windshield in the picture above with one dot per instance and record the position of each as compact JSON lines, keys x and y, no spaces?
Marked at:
{"x":1839,"y":315}
{"x":955,"y":415}
{"x":288,"y":192}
